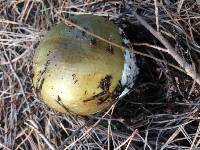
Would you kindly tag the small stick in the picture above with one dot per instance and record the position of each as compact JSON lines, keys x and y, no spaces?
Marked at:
{"x":156,"y":13}
{"x":33,"y":125}
{"x":8,"y":21}
{"x":190,"y":70}
{"x":69,"y":23}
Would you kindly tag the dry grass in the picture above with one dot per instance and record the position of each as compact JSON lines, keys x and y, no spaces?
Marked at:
{"x":162,"y":111}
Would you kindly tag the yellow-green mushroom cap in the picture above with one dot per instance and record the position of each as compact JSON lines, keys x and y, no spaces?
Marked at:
{"x":75,"y":72}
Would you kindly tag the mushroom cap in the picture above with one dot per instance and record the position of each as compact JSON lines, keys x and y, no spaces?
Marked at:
{"x":75,"y":72}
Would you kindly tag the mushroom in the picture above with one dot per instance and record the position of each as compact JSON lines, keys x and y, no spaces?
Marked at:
{"x":76,"y":73}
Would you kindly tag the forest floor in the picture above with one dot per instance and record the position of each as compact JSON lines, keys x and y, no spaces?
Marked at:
{"x":160,"y":112}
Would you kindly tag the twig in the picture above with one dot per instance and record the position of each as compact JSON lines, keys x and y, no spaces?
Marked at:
{"x":3,"y":146}
{"x":17,"y":77}
{"x":34,"y":126}
{"x":152,"y":46}
{"x":128,"y":140}
{"x":190,"y":70}
{"x":156,"y":13}
{"x":180,"y":5}
{"x":88,"y":130}
{"x":193,"y":146}
{"x":8,"y":21}
{"x":69,"y":23}
{"x":71,"y":136}
{"x":15,"y":59}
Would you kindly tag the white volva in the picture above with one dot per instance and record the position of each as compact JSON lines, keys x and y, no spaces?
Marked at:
{"x":130,"y":70}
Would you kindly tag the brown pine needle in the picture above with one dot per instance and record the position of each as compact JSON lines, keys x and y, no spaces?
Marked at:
{"x":8,"y":21}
